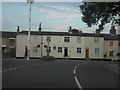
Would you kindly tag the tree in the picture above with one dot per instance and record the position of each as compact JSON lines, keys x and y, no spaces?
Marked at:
{"x":101,"y":13}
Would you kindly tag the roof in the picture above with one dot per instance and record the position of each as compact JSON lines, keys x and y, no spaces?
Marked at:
{"x":61,"y":34}
{"x":7,"y":34}
{"x":111,"y":37}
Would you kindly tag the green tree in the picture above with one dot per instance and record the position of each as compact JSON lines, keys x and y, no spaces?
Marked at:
{"x":103,"y":12}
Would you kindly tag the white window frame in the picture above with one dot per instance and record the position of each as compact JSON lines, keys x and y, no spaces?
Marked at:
{"x":48,"y":38}
{"x":96,"y":39}
{"x":66,"y":39}
{"x":59,"y":49}
{"x":97,"y":50}
{"x":79,"y":39}
{"x":111,"y":43}
{"x":79,"y":49}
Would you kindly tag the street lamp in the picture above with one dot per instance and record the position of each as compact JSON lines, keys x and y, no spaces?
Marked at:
{"x":28,"y":50}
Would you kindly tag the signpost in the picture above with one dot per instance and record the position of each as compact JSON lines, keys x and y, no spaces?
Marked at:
{"x":28,"y":48}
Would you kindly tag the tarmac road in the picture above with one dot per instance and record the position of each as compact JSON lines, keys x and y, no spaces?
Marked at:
{"x":58,"y":74}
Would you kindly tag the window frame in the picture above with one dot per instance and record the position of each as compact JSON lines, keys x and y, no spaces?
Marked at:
{"x":97,"y":50}
{"x":66,"y":39}
{"x":79,"y":49}
{"x":96,"y":39}
{"x":79,"y":40}
{"x":111,"y":43}
{"x":111,"y":53}
{"x":48,"y":39}
{"x":59,"y":49}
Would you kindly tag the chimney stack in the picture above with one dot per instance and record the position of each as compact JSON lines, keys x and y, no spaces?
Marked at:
{"x":80,"y":31}
{"x":97,"y":31}
{"x":112,"y":30}
{"x":18,"y":30}
{"x":70,"y":30}
{"x":40,"y":28}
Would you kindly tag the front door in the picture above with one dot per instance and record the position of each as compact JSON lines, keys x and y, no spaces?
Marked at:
{"x":87,"y":53}
{"x":65,"y":51}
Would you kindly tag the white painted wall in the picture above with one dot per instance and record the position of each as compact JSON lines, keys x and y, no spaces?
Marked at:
{"x":89,"y":43}
{"x":58,"y":41}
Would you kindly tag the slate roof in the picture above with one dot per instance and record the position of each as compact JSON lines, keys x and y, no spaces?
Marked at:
{"x":61,"y":34}
{"x":7,"y":34}
{"x":111,"y":37}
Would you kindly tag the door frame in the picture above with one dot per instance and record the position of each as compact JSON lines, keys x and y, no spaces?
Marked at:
{"x":65,"y":51}
{"x":87,"y":53}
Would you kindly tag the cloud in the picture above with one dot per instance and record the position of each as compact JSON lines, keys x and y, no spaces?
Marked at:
{"x":63,"y":27}
{"x":59,"y":8}
{"x":54,"y":11}
{"x":56,"y":14}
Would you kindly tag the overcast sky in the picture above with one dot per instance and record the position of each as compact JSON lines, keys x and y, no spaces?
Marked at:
{"x":55,"y":16}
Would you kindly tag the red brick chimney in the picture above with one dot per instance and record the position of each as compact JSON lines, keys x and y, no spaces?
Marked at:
{"x":112,"y":30}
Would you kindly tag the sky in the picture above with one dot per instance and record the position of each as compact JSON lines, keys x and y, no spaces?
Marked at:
{"x":55,"y":16}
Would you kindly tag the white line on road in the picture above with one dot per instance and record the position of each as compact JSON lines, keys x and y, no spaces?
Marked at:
{"x":78,"y":83}
{"x":12,"y":69}
{"x":75,"y":66}
{"x":74,"y":71}
{"x":5,"y":70}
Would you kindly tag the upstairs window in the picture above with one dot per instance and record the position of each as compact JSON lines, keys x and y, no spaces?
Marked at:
{"x":97,"y":51}
{"x":78,"y":39}
{"x":48,"y":39}
{"x":111,"y":43}
{"x":96,"y":39}
{"x":66,"y":39}
{"x":11,"y":41}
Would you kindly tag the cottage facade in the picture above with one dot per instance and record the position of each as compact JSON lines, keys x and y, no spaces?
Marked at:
{"x":61,"y":45}
{"x":8,"y":46}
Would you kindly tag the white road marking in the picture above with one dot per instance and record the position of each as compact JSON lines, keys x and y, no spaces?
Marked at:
{"x":76,"y":79}
{"x":5,"y":70}
{"x":75,"y":66}
{"x":78,"y":83}
{"x":74,"y":71}
{"x":12,"y":69}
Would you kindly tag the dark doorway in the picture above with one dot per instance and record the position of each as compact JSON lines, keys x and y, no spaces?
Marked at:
{"x":65,"y":51}
{"x":87,"y":53}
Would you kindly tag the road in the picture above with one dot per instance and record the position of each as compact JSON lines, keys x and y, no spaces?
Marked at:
{"x":57,"y":74}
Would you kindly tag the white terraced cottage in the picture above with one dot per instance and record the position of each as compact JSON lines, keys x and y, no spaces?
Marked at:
{"x":72,"y":45}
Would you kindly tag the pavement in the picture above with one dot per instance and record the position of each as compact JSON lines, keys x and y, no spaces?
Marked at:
{"x":113,"y":67}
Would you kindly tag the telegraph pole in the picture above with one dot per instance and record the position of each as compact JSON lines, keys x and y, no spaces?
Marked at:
{"x":28,"y":48}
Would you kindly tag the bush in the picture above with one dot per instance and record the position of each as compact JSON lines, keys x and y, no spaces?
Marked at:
{"x":47,"y":58}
